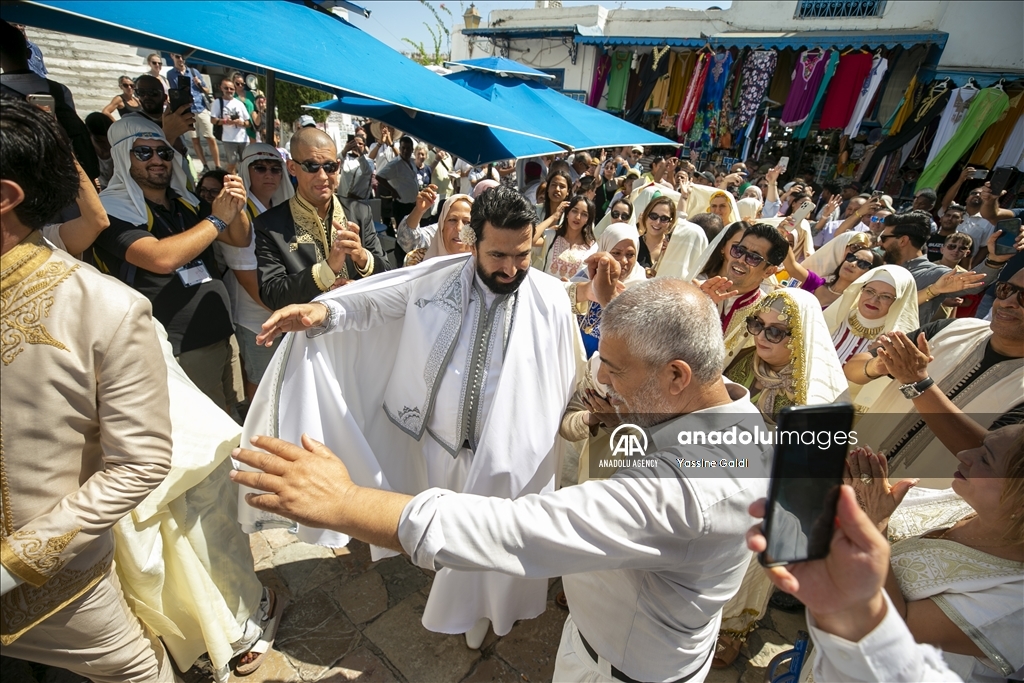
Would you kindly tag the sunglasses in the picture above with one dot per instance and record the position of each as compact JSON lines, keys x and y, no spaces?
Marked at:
{"x":1004,"y":290}
{"x":956,"y":247}
{"x":127,"y":85}
{"x":861,"y":263}
{"x":883,"y":238}
{"x":262,"y":168}
{"x":753,"y":260}
{"x":658,"y":218}
{"x":145,"y":152}
{"x":149,"y":92}
{"x":313,"y":167}
{"x":871,"y":293}
{"x":774,"y":335}
{"x":876,"y":219}
{"x":157,"y":63}
{"x":620,"y":215}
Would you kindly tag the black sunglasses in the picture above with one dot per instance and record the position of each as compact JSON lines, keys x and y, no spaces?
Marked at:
{"x":263,"y":168}
{"x":658,"y":218}
{"x":620,"y":215}
{"x":149,"y":92}
{"x":313,"y":167}
{"x":953,"y":246}
{"x":739,"y":252}
{"x":145,"y":152}
{"x":1004,"y":290}
{"x":861,"y":263}
{"x":127,"y":85}
{"x":773,"y":334}
{"x":883,"y":238}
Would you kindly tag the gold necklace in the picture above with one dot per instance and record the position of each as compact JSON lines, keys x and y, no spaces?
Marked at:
{"x":861,"y":331}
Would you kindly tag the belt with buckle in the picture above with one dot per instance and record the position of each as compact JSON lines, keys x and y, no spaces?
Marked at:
{"x":619,"y":676}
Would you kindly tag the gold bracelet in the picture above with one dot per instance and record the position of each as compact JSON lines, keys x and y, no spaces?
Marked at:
{"x":866,"y":373}
{"x":930,"y":293}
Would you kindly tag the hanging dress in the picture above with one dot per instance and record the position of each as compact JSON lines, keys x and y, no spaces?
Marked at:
{"x":653,"y":67}
{"x":618,"y":80}
{"x":604,"y":63}
{"x":826,"y":78}
{"x":1013,"y":150}
{"x":994,"y":139}
{"x":757,"y":74}
{"x":693,"y":95}
{"x":904,"y":68}
{"x":985,"y":109}
{"x":705,"y":122}
{"x":845,"y":89}
{"x":680,"y":70}
{"x":879,"y":65}
{"x":952,"y":116}
{"x":782,"y":81}
{"x":807,"y":75}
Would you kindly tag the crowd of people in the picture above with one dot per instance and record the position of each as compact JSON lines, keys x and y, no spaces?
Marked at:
{"x":425,"y":399}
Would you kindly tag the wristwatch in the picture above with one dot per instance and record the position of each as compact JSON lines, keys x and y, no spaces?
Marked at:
{"x":917,"y":388}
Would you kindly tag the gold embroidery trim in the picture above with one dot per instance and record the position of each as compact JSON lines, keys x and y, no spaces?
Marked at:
{"x":36,"y":560}
{"x":309,"y":229}
{"x":6,"y":519}
{"x":26,"y":606}
{"x":27,"y":282}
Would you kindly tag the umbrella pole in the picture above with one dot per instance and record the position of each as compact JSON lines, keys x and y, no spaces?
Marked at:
{"x":271,"y":126}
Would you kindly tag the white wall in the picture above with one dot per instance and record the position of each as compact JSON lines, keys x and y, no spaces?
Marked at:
{"x":984,"y":34}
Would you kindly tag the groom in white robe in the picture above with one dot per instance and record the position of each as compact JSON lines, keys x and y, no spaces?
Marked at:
{"x":453,"y":374}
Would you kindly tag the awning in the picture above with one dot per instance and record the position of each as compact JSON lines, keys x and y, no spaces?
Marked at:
{"x":780,"y":40}
{"x":517,"y":32}
{"x":301,"y":44}
{"x":960,"y":75}
{"x":501,"y":67}
{"x":476,"y":143}
{"x":561,"y":118}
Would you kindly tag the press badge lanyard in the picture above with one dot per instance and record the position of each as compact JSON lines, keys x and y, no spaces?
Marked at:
{"x":194,"y":272}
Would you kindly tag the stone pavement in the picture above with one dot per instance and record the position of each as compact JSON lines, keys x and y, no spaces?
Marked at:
{"x":350,"y":619}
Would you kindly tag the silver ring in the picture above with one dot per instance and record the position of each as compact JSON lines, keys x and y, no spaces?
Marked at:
{"x":866,"y":478}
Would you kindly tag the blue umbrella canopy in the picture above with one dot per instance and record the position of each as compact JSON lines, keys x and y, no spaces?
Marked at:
{"x":300,"y":44}
{"x":476,"y":143}
{"x":560,"y":118}
{"x":502,"y":67}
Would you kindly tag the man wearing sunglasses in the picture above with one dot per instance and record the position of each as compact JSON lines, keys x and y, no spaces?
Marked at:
{"x":310,"y":244}
{"x":962,"y":376}
{"x":903,"y":239}
{"x":159,"y":244}
{"x":738,"y":284}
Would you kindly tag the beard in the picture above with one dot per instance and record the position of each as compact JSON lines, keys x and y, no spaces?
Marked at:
{"x":892,"y":256}
{"x":493,"y":284}
{"x":144,"y":178}
{"x":645,"y":408}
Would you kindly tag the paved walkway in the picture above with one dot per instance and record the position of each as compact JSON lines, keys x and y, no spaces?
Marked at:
{"x":350,"y":619}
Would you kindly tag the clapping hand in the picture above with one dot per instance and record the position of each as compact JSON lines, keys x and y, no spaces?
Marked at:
{"x":867,"y":473}
{"x":231,"y":200}
{"x":347,"y":242}
{"x":717,"y":288}
{"x":905,"y":361}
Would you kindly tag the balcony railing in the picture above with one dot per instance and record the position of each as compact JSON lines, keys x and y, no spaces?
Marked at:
{"x":825,"y":9}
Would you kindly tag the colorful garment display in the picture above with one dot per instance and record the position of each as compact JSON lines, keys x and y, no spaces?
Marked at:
{"x":807,"y":75}
{"x":778,"y":91}
{"x":952,"y":116}
{"x":693,"y":95}
{"x":601,"y":69}
{"x":659,"y":96}
{"x":904,"y":68}
{"x":652,"y":68}
{"x":931,"y":105}
{"x":618,"y":80}
{"x":680,"y":66}
{"x":705,"y":123}
{"x":826,"y":78}
{"x":993,"y":142}
{"x":757,"y":74}
{"x":984,"y":110}
{"x":879,"y":65}
{"x":904,"y":111}
{"x":1013,"y":149}
{"x":847,"y":83}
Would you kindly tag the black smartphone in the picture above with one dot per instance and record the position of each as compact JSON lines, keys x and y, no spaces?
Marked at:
{"x":1000,"y":178}
{"x":810,"y":449}
{"x":1005,"y":242}
{"x":180,"y":96}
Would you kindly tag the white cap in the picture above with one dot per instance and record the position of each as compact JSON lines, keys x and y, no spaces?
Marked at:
{"x":637,"y":148}
{"x":305,"y":121}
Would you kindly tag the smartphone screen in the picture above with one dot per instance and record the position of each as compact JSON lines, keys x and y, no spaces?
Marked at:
{"x":1005,"y":242}
{"x":784,"y":162}
{"x":178,"y":97}
{"x":810,"y":449}
{"x":980,"y":173}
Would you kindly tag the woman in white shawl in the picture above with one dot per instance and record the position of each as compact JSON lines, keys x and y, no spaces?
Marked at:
{"x":957,"y":575}
{"x":441,"y":238}
{"x":792,"y":363}
{"x":834,"y":252}
{"x":622,"y":241}
{"x":882,"y":300}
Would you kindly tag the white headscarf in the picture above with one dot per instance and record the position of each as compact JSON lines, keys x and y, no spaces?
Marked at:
{"x":123,"y":197}
{"x":827,"y":258}
{"x":902,"y":313}
{"x":700,"y":199}
{"x":748,"y":208}
{"x":615,"y":233}
{"x":817,"y":374}
{"x":437,"y":246}
{"x":261,"y":151}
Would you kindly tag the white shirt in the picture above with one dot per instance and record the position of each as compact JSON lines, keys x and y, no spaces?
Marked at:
{"x":648,"y":557}
{"x":978,"y":228}
{"x":463,"y":168}
{"x":232,"y":106}
{"x":403,"y":178}
{"x":384,"y":156}
{"x":245,"y":310}
{"x":356,"y":174}
{"x":888,"y":654}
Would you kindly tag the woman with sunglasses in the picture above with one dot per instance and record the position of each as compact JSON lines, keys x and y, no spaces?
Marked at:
{"x":655,"y":226}
{"x":124,"y":103}
{"x":156,"y":64}
{"x":954,"y":249}
{"x":620,"y":211}
{"x":829,"y":288}
{"x":566,"y":248}
{"x":792,"y":363}
{"x":880,"y":301}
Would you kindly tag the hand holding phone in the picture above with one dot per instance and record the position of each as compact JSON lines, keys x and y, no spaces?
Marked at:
{"x":803,"y":212}
{"x":44,"y":102}
{"x":1006,"y":243}
{"x":810,"y":456}
{"x":783,"y":163}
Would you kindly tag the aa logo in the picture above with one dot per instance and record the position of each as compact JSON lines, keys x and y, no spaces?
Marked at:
{"x":628,"y":441}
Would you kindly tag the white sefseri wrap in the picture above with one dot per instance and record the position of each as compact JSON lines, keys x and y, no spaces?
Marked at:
{"x":368,"y":390}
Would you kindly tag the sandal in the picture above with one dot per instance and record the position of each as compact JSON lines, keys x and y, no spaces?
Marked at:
{"x":270,"y":621}
{"x":727,"y":649}
{"x":561,"y":600}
